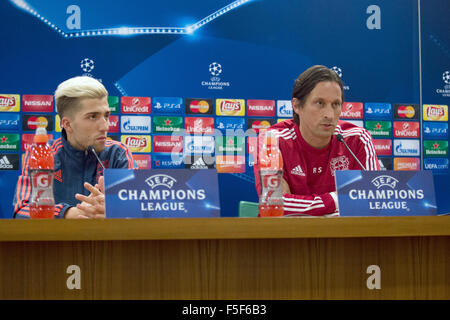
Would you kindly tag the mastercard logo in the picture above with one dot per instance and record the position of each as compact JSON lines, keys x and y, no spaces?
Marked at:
{"x":37,"y":122}
{"x":260,"y":124}
{"x":406,"y":112}
{"x":201,"y":106}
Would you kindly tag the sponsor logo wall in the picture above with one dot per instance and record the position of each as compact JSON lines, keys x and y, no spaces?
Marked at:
{"x":200,"y":133}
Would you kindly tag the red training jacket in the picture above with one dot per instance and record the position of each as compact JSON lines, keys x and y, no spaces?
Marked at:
{"x":309,"y":172}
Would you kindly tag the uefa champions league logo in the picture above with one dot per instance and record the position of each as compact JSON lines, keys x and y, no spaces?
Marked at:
{"x":215,"y":69}
{"x":445,"y":91}
{"x":215,"y":83}
{"x":87,"y":65}
{"x":338,"y":71}
{"x":446,"y":77}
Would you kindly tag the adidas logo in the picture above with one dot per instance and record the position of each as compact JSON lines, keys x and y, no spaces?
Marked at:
{"x":199,"y":164}
{"x":298,"y":171}
{"x":5,"y":164}
{"x":58,"y":175}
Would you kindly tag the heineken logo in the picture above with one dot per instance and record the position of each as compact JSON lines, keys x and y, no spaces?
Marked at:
{"x":9,"y":141}
{"x":167,"y":124}
{"x":436,"y":148}
{"x":379,"y":128}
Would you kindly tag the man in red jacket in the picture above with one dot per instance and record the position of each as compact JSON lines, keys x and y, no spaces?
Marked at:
{"x":311,"y":152}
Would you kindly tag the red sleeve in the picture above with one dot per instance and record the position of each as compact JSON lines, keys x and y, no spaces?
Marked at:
{"x":366,"y":151}
{"x":310,"y":205}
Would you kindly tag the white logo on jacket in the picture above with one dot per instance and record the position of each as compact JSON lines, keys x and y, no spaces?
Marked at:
{"x":298,"y":171}
{"x":339,"y":163}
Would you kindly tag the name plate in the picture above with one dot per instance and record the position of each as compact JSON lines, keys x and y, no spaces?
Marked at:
{"x":385,"y":193}
{"x":161,"y":193}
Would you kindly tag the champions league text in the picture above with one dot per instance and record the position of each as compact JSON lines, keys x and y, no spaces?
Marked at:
{"x":174,"y":196}
{"x":395,"y":197}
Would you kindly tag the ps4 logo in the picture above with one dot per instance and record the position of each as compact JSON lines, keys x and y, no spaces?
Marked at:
{"x":435,"y":130}
{"x":230,"y":124}
{"x":167,"y":104}
{"x":378,"y":110}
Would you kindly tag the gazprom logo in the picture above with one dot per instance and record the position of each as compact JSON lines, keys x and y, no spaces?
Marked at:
{"x":284,"y":108}
{"x":385,"y":180}
{"x":403,"y":147}
{"x":199,"y":145}
{"x":135,"y":124}
{"x":161,"y":180}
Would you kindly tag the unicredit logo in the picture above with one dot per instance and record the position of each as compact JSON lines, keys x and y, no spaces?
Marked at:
{"x":7,"y":101}
{"x":135,"y":109}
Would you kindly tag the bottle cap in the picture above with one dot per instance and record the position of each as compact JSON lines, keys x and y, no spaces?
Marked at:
{"x":41,"y":135}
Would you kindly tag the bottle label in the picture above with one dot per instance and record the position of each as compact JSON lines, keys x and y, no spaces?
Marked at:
{"x":271,"y":191}
{"x":42,"y":187}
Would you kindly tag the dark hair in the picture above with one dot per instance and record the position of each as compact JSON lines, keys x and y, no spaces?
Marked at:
{"x":307,"y":81}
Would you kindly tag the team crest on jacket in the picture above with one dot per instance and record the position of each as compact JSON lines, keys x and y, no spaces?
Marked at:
{"x":339,"y":163}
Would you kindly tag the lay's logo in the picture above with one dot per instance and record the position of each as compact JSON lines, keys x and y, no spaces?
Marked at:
{"x":9,"y":102}
{"x":435,"y":112}
{"x":137,"y":143}
{"x":230,"y":107}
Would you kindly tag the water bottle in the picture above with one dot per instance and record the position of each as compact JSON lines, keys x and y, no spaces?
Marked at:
{"x":271,"y":174}
{"x":42,"y":202}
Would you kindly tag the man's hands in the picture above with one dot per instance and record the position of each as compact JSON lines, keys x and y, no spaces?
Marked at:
{"x":92,"y":206}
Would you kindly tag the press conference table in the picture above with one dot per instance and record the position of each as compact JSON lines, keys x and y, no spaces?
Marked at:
{"x":227,"y":258}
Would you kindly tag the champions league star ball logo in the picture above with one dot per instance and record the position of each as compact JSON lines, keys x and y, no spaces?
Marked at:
{"x":215,"y":83}
{"x":215,"y":69}
{"x":338,"y":71}
{"x":87,"y":65}
{"x":446,"y":77}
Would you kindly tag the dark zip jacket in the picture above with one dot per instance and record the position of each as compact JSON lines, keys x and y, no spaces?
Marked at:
{"x":72,"y":168}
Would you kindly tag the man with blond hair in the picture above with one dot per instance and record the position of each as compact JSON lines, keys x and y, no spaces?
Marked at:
{"x":82,"y":105}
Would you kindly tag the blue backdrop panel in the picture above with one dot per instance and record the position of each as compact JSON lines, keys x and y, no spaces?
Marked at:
{"x":165,"y":49}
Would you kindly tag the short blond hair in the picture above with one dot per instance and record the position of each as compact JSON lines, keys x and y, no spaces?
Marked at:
{"x":69,"y":93}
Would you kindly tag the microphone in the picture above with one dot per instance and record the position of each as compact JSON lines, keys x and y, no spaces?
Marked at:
{"x":91,"y":148}
{"x":340,"y":138}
